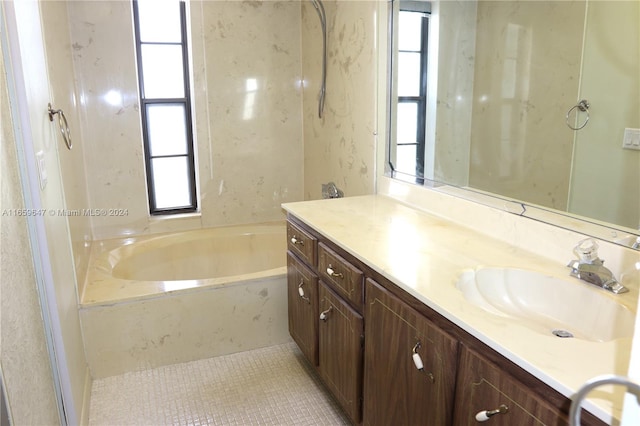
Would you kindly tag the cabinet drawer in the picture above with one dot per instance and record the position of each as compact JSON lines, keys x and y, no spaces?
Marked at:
{"x":302,"y":243}
{"x":483,"y":386}
{"x":302,"y":298}
{"x":346,"y":278}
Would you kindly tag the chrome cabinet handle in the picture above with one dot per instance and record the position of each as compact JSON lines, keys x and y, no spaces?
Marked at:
{"x":295,"y":241}
{"x":485,"y":415}
{"x":325,"y":314}
{"x":332,"y":273}
{"x":301,"y":292}
{"x":417,"y":361}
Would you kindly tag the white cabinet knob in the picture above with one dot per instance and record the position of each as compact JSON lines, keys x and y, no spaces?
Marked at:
{"x":485,"y":415}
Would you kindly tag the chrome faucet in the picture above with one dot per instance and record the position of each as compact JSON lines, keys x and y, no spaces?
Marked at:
{"x":636,"y":245}
{"x":590,"y":268}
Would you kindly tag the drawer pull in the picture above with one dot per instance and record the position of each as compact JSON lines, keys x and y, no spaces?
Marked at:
{"x":416,"y":357}
{"x":417,"y":361}
{"x":301,"y":292}
{"x":325,"y":314}
{"x":485,"y":415}
{"x":332,"y":273}
{"x":295,"y":241}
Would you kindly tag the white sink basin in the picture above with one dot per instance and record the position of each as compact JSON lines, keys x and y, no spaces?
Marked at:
{"x":549,"y":305}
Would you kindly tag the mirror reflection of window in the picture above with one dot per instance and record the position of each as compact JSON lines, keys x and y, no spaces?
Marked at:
{"x":411,"y":89}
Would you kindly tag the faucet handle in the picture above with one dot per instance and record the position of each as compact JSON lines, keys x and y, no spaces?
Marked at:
{"x":587,"y":251}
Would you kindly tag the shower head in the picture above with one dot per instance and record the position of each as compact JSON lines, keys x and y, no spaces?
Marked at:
{"x":317,"y":4}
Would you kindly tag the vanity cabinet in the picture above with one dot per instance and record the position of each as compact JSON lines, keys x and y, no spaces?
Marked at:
{"x":397,"y":390}
{"x":389,"y":359}
{"x":325,"y":297}
{"x":340,"y":335}
{"x":483,"y":388}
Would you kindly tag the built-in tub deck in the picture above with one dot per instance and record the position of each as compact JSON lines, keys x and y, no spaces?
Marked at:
{"x":127,"y":269}
{"x":165,"y":299}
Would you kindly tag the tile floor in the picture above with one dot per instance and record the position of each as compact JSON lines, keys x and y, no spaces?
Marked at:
{"x":269,"y":386}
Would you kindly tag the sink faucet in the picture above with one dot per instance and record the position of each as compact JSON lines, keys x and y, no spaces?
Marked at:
{"x":590,"y":268}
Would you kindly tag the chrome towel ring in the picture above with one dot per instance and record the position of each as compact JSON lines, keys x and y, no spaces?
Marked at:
{"x":63,"y":124}
{"x":583,"y":106}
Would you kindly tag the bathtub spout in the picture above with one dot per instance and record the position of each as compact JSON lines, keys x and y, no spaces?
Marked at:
{"x":330,"y":190}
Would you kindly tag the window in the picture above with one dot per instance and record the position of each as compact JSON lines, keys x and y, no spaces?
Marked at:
{"x":411,"y":95}
{"x":165,"y":105}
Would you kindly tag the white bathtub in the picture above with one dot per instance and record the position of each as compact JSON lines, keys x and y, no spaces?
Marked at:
{"x":158,"y":300}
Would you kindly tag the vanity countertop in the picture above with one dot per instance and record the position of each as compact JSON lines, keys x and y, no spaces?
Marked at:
{"x":424,"y":254}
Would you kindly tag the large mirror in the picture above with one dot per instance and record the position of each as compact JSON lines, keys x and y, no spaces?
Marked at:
{"x":535,"y":101}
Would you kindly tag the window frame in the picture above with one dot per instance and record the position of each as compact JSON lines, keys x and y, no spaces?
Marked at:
{"x":423,"y":8}
{"x":421,"y":99}
{"x":184,"y":101}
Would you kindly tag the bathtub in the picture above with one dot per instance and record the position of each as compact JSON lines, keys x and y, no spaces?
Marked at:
{"x":158,"y":300}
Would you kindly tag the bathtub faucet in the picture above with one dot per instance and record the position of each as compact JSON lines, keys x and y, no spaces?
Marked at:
{"x":330,"y":190}
{"x":590,"y":268}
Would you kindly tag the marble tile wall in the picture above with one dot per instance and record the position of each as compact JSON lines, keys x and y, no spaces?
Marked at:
{"x":340,"y":147}
{"x":456,"y":29}
{"x":248,"y":105}
{"x":63,"y":96}
{"x":247,"y":99}
{"x":517,"y":130}
{"x":185,"y":326}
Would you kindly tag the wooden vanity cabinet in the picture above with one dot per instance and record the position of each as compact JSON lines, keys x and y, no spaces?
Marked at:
{"x":341,"y":336}
{"x":363,"y":336}
{"x":302,"y":297}
{"x":396,"y":392}
{"x":325,"y":298}
{"x":483,"y":387}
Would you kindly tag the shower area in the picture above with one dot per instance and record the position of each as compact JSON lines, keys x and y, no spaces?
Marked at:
{"x":265,"y":133}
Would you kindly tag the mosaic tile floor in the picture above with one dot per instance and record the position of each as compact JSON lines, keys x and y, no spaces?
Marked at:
{"x":269,"y":386}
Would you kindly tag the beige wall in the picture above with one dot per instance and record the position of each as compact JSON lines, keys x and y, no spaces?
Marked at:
{"x":612,"y":49}
{"x":23,"y":353}
{"x":340,"y":147}
{"x":520,"y":144}
{"x":247,"y":97}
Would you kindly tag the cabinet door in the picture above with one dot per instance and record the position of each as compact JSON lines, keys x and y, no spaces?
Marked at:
{"x":396,"y":392}
{"x":303,"y":307}
{"x":340,"y":347}
{"x":483,"y":387}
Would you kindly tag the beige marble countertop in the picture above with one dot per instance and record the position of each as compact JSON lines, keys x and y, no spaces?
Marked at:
{"x":424,"y":254}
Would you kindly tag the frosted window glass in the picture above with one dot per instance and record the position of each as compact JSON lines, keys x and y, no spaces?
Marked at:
{"x":159,"y":21}
{"x":171,"y":182}
{"x":162,"y":71}
{"x":407,"y":122}
{"x":410,"y":31}
{"x":406,"y":159}
{"x":408,"y":74}
{"x":167,"y":129}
